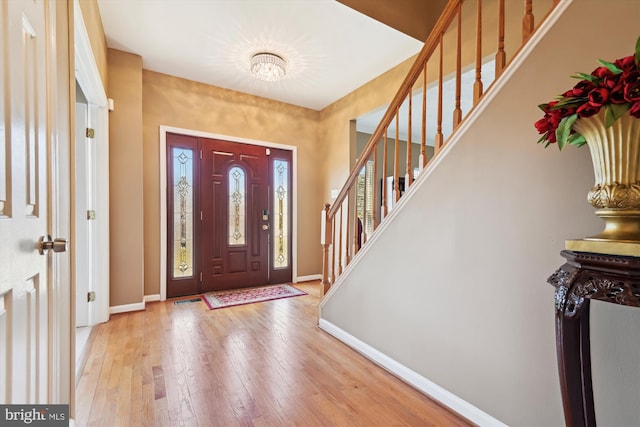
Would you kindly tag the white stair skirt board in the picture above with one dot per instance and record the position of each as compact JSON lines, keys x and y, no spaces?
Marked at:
{"x":126,"y":308}
{"x":411,"y":377}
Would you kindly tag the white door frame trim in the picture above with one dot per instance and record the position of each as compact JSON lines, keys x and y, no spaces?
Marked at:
{"x":88,"y":77}
{"x":163,"y":194}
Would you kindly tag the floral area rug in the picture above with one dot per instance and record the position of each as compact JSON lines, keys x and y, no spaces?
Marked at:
{"x":222,"y":299}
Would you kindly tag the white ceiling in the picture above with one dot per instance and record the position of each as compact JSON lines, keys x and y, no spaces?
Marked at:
{"x":331,"y":49}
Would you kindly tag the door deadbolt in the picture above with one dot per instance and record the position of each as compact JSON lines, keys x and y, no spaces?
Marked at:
{"x":47,"y":244}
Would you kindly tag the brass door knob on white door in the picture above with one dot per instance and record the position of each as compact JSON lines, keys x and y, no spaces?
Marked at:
{"x":47,"y":244}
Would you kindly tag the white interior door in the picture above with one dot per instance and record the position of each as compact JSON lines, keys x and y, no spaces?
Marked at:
{"x":86,"y":227}
{"x":91,"y":194}
{"x":34,"y":307}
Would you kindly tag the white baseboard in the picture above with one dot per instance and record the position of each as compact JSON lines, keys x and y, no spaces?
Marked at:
{"x":411,"y":377}
{"x":152,"y":298}
{"x":126,"y":308}
{"x":308,"y":278}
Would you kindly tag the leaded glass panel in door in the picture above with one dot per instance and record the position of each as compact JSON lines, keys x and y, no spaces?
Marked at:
{"x":237,"y":206}
{"x":281,"y":214}
{"x":183,"y":198}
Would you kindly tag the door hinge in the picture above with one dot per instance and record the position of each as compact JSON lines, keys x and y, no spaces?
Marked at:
{"x":91,"y":214}
{"x":90,"y":133}
{"x":200,"y":154}
{"x":268,"y":151}
{"x":201,"y":276}
{"x":91,"y":296}
{"x":200,"y":215}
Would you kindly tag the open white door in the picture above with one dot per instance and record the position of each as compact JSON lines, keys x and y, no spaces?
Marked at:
{"x":83,"y":251}
{"x":91,"y":189}
{"x":35,"y":296}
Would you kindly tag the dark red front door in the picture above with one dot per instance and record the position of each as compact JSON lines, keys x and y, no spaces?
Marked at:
{"x":235,"y":221}
{"x":229,"y":215}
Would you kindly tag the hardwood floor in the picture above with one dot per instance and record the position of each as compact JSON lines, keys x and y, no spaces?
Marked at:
{"x":264,"y":364}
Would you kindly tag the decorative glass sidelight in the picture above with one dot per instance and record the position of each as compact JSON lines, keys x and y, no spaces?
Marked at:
{"x":182,"y":212}
{"x":281,"y":213}
{"x":237,"y":207}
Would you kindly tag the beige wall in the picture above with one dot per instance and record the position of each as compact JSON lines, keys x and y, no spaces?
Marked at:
{"x":321,"y":138}
{"x":171,"y":101}
{"x":93,"y":23}
{"x":336,"y":127}
{"x":125,"y":178}
{"x":461,"y":270}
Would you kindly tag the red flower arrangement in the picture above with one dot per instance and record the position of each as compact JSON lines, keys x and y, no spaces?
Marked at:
{"x":612,"y":86}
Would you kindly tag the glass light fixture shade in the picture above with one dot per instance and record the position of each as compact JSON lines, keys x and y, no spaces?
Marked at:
{"x":268,"y":66}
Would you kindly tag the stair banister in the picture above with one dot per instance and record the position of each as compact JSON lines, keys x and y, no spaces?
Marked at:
{"x":346,"y":226}
{"x":429,"y":47}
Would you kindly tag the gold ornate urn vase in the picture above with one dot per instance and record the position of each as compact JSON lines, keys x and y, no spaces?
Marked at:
{"x":615,"y":152}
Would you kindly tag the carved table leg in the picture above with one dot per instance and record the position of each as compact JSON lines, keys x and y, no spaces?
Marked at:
{"x":574,"y":356}
{"x":586,"y":276}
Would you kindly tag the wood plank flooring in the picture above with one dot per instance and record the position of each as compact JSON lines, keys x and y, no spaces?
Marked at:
{"x":264,"y":364}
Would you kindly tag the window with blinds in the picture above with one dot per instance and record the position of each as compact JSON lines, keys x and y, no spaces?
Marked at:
{"x":364,"y":197}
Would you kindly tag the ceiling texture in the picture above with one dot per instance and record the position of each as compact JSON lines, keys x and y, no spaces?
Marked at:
{"x":330,"y":49}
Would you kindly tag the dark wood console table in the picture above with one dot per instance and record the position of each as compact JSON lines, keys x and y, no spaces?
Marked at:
{"x":586,"y":276}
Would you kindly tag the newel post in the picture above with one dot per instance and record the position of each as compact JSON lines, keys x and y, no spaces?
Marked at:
{"x":325,"y":240}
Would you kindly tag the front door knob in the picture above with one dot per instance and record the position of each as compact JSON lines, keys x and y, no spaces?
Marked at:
{"x":47,"y":244}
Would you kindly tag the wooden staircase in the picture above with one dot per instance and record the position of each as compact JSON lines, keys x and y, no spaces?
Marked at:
{"x":425,"y":113}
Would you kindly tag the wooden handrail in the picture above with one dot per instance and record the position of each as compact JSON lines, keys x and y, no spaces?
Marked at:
{"x":349,"y":219}
{"x":429,"y":46}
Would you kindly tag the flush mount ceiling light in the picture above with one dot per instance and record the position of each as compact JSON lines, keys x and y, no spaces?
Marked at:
{"x":268,"y":66}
